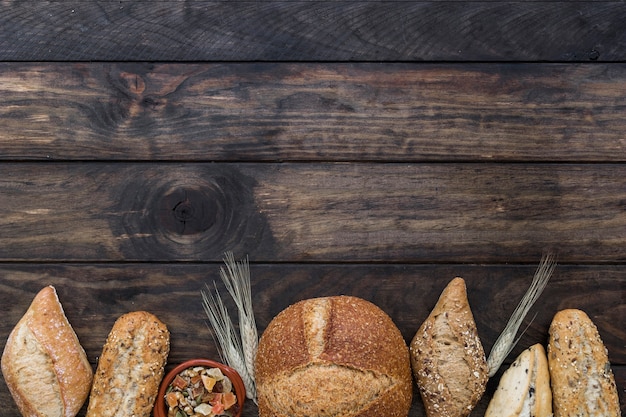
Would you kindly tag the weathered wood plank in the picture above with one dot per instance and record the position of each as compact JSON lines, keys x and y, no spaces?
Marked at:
{"x":94,"y":295}
{"x":312,"y":212}
{"x":313,"y":31}
{"x":467,"y":145}
{"x":314,"y":112}
{"x":620,"y":379}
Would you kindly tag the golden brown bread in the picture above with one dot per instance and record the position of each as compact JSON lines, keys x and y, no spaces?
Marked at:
{"x":582,"y":381}
{"x":130,"y":368}
{"x":333,"y":356}
{"x":43,"y":363}
{"x":447,"y":356}
{"x":524,"y":388}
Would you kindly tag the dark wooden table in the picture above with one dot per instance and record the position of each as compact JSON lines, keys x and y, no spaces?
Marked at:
{"x":376,"y":149}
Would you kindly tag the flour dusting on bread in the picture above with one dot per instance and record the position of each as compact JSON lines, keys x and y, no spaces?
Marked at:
{"x":44,"y":365}
{"x":315,"y":321}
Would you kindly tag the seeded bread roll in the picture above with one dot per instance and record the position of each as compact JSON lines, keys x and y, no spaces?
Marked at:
{"x":130,"y":368}
{"x":447,"y":356}
{"x":333,"y":356}
{"x":524,"y":388}
{"x":582,"y":381}
{"x":43,"y":363}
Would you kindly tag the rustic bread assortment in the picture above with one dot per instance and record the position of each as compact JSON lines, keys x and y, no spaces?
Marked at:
{"x":333,"y":356}
{"x":447,"y":357}
{"x":43,"y":363}
{"x":130,"y":368}
{"x":48,"y":373}
{"x":582,"y":381}
{"x":328,"y":356}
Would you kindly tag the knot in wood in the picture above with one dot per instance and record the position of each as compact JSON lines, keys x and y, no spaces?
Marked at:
{"x":191,"y":212}
{"x":184,"y":210}
{"x":188,"y":211}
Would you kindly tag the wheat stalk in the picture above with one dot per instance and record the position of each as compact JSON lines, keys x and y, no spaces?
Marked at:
{"x":238,"y":352}
{"x":224,"y":331}
{"x":236,"y":278}
{"x":506,"y":341}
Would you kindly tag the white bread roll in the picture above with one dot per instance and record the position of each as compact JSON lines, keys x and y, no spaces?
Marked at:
{"x":524,"y":388}
{"x":43,"y":363}
{"x":130,"y":368}
{"x":582,"y":381}
{"x":333,"y":356}
{"x":447,"y":356}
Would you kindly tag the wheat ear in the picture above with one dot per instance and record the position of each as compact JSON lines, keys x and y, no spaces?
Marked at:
{"x":224,"y":332}
{"x":236,"y":278}
{"x":507,"y":341}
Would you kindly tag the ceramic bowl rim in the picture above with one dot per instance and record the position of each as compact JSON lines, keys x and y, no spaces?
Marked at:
{"x":240,"y":391}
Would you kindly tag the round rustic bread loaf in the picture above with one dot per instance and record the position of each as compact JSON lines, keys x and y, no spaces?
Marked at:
{"x":333,"y":356}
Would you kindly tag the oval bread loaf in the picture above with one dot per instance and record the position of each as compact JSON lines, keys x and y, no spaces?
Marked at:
{"x":582,"y":381}
{"x":447,"y":356}
{"x":43,"y":363}
{"x":333,"y":356}
{"x":130,"y":368}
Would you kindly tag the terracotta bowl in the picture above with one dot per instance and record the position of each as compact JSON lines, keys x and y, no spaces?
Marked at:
{"x":160,"y":408}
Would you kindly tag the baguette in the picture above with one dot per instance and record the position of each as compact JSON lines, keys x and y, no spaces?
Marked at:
{"x":44,"y":365}
{"x":447,"y":356}
{"x":582,"y":381}
{"x":130,"y":368}
{"x":524,"y":388}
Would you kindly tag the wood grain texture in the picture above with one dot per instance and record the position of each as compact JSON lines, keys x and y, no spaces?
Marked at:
{"x":313,"y":112}
{"x":376,"y":149}
{"x":94,"y":295}
{"x":313,"y":212}
{"x":312,"y":31}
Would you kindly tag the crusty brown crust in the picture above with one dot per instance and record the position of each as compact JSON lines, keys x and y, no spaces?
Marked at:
{"x":543,"y":392}
{"x":277,"y":354}
{"x":333,"y":356}
{"x":45,"y":326}
{"x":580,"y":373}
{"x":131,"y":367}
{"x":447,"y":356}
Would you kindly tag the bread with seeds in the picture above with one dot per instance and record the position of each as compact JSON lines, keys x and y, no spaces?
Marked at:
{"x":130,"y":368}
{"x":447,"y":357}
{"x":582,"y":381}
